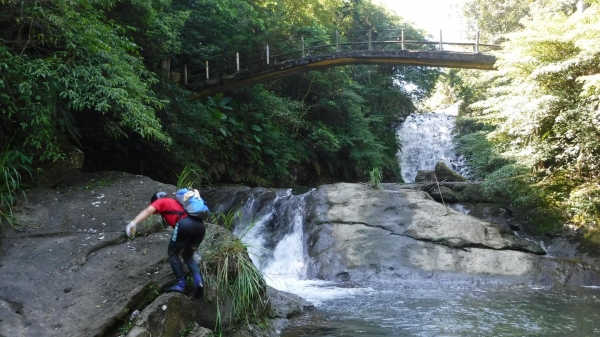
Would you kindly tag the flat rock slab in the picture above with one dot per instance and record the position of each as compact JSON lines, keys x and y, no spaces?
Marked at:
{"x":71,"y":271}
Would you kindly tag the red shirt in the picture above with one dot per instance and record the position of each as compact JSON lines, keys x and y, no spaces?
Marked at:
{"x":169,"y":205}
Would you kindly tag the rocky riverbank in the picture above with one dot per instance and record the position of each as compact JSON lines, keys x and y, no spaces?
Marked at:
{"x":70,"y":271}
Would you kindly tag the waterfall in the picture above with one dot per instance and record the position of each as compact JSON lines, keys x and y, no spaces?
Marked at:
{"x":425,"y":139}
{"x":274,"y":233}
{"x":276,"y":238}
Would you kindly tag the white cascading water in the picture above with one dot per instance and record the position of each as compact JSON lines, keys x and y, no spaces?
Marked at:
{"x":425,"y":139}
{"x":277,"y":246}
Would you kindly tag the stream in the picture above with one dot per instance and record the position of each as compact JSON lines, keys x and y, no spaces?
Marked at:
{"x":277,"y":246}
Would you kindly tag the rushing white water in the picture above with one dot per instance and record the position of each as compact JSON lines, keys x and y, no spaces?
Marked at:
{"x":277,"y":246}
{"x":425,"y":139}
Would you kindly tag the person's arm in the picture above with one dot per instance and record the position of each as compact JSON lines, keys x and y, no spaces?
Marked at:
{"x":143,"y":215}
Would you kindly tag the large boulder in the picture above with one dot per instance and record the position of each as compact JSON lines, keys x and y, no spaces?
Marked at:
{"x":425,"y":176}
{"x":168,"y":315}
{"x":357,"y":233}
{"x":286,"y":305}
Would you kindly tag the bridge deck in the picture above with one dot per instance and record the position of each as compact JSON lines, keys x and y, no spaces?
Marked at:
{"x":271,"y":72}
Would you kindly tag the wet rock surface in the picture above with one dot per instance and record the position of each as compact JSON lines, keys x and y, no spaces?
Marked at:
{"x":71,"y":271}
{"x":355,"y":233}
{"x":358,"y":233}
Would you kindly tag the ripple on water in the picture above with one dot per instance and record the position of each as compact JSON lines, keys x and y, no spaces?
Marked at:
{"x":419,"y":310}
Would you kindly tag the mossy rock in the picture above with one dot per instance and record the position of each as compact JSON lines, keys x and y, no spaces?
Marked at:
{"x":443,"y":193}
{"x":444,"y":173}
{"x":592,"y":237}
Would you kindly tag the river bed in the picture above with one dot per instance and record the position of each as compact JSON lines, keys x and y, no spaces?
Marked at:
{"x":454,"y":310}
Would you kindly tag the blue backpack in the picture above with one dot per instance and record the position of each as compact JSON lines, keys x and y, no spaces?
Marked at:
{"x":192,"y":203}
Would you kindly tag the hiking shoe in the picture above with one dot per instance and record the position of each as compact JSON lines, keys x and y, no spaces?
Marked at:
{"x":178,"y":287}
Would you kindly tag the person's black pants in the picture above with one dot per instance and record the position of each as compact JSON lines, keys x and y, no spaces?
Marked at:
{"x":187,"y":236}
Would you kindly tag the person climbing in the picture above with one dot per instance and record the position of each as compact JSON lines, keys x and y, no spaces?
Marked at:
{"x":188,"y":233}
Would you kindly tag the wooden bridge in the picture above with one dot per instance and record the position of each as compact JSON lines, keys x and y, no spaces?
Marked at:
{"x":394,"y":52}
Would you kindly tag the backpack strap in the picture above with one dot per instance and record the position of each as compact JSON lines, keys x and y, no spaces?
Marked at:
{"x":182,"y":213}
{"x":175,"y":213}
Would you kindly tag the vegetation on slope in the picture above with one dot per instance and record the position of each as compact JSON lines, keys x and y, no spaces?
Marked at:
{"x":87,"y":73}
{"x":532,"y":129}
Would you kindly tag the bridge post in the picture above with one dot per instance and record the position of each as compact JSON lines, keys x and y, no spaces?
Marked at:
{"x":237,"y":61}
{"x":441,"y":46}
{"x":267,"y":54}
{"x":337,"y":41}
{"x":303,"y":47}
{"x":477,"y":43}
{"x":207,"y":70}
{"x":370,"y":32}
{"x":402,"y":38}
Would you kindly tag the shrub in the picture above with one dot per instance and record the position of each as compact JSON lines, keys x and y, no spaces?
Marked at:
{"x":12,"y":162}
{"x":584,"y":204}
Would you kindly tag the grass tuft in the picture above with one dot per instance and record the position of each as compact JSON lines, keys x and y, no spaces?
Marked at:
{"x":375,"y":177}
{"x":192,"y":175}
{"x":12,"y":162}
{"x":237,"y":280}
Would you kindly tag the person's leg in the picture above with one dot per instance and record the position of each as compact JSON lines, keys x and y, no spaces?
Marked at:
{"x":197,"y":235}
{"x":176,"y":245}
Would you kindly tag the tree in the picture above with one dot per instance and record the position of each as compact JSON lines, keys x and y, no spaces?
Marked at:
{"x":493,"y":18}
{"x":545,"y":109}
{"x":63,"y":63}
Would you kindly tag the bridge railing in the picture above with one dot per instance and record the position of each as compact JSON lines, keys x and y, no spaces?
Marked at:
{"x":391,"y":39}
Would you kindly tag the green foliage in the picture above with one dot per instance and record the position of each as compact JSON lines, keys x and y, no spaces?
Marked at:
{"x":125,"y":328}
{"x":543,"y":114}
{"x":512,"y":182}
{"x":493,"y":18}
{"x":375,"y":176}
{"x":192,"y":175}
{"x":482,"y":155}
{"x":156,"y":26}
{"x":237,"y":279}
{"x":74,"y":65}
{"x":584,"y":202}
{"x":12,"y":164}
{"x":85,"y":77}
{"x":154,"y":293}
{"x":225,"y":219}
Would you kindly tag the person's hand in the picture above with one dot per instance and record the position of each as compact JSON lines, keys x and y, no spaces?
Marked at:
{"x":130,"y":229}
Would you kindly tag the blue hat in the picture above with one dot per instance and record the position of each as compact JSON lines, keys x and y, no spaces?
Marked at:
{"x":158,"y":195}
